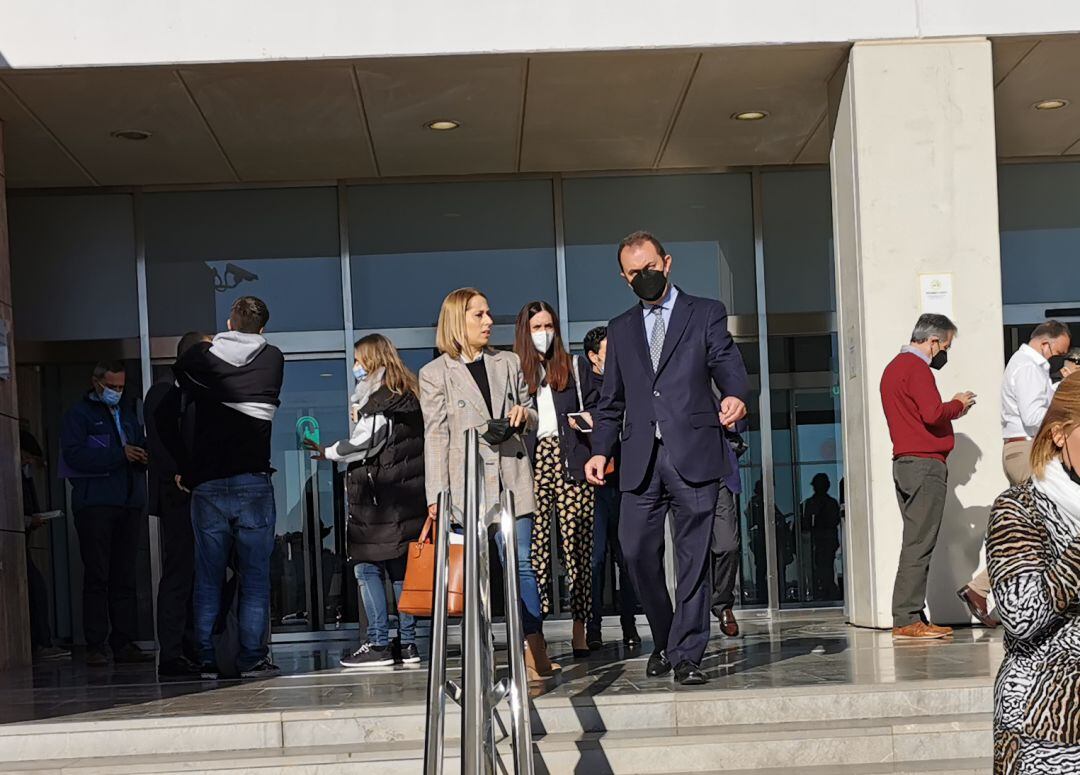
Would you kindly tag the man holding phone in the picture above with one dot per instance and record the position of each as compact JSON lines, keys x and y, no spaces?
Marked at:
{"x":103,"y":456}
{"x":920,"y":425}
{"x":665,"y":355}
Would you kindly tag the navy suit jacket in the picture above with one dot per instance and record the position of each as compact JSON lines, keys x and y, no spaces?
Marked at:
{"x":698,"y":352}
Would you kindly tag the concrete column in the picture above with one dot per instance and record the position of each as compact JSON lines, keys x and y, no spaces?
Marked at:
{"x":14,"y":615}
{"x":915,"y":193}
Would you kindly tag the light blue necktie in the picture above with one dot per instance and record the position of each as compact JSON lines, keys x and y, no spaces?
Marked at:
{"x":656,"y":339}
{"x":656,"y":344}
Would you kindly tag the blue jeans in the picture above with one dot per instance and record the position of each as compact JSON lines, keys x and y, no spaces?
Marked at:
{"x":233,"y":514}
{"x":531,"y":615}
{"x":605,"y":536}
{"x":371,"y":576}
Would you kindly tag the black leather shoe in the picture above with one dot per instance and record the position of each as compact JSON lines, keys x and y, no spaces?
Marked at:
{"x":630,"y":637}
{"x":595,"y":641}
{"x":658,"y":665}
{"x":178,"y":669}
{"x":689,"y":674}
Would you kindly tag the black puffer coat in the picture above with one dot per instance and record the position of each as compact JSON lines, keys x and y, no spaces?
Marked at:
{"x":387,"y":506}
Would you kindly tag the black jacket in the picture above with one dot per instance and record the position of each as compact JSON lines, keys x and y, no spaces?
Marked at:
{"x":161,"y":411}
{"x":387,"y":506}
{"x":228,"y":441}
{"x":573,"y":445}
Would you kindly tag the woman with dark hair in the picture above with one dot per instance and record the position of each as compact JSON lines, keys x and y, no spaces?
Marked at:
{"x":565,"y":393}
{"x":1033,"y":554}
{"x":385,"y":489}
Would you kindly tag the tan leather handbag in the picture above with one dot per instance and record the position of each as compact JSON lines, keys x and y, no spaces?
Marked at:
{"x":418,"y":589}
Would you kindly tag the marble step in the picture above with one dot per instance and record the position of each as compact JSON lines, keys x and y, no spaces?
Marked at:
{"x":978,"y":766}
{"x":866,"y":746}
{"x":682,"y":710}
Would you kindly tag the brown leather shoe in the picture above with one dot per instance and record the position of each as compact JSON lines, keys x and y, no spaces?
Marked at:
{"x":728,"y":626}
{"x":919,"y":631}
{"x":945,"y":631}
{"x":976,"y":606}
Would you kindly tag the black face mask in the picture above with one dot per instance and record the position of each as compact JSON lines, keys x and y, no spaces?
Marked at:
{"x":649,"y":284}
{"x":498,"y":431}
{"x":939,"y":360}
{"x":1056,"y":362}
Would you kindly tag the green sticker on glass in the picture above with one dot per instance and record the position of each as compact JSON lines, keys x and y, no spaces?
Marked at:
{"x":307,"y":428}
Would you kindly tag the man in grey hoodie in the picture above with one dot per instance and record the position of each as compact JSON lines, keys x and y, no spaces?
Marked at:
{"x":234,"y":382}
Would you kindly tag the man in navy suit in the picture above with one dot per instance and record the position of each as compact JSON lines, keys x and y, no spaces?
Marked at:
{"x":664,"y":356}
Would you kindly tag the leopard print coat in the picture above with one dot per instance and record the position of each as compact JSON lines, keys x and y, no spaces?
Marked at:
{"x":1034,"y":561}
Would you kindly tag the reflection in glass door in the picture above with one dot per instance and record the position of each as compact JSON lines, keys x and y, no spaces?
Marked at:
{"x":809,"y":495}
{"x":309,"y":588}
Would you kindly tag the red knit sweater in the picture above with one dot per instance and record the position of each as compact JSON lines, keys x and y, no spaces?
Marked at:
{"x":920,"y":424}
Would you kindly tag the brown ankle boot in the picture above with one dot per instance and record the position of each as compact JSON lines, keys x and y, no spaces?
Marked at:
{"x":537,"y":663}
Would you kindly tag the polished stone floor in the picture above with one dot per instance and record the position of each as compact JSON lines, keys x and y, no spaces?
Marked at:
{"x":806,"y":652}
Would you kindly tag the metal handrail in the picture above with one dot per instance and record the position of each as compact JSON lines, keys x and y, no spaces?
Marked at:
{"x":479,"y":693}
{"x":436,"y":689}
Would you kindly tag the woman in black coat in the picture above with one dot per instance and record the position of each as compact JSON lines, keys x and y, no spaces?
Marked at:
{"x":565,"y":393}
{"x":385,"y":488}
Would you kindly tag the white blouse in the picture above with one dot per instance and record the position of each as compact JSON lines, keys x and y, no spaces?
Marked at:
{"x":545,"y":407}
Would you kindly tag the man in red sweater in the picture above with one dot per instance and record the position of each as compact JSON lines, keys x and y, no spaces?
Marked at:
{"x":920,"y":425}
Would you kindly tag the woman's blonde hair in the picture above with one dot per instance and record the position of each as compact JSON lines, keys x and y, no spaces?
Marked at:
{"x":1063,"y":416}
{"x":375,"y":351}
{"x":450,"y":335}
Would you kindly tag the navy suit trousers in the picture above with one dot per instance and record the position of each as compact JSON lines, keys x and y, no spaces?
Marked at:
{"x":683,"y":632}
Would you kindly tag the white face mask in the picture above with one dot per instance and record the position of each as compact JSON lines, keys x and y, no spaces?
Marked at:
{"x":542,"y":340}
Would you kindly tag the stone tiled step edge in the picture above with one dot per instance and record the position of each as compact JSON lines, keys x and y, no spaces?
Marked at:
{"x":681,"y":710}
{"x":976,"y":766}
{"x":869,"y":746}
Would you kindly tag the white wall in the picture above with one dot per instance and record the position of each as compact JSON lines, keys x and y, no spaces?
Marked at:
{"x":64,"y":33}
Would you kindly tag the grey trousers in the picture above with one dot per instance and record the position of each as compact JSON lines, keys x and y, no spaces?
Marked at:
{"x":920,"y":491}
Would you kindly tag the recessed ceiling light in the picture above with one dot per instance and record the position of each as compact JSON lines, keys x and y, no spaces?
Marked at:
{"x":1055,"y":104}
{"x":443,"y":124}
{"x":326,"y":375}
{"x":750,"y":115}
{"x":131,"y":134}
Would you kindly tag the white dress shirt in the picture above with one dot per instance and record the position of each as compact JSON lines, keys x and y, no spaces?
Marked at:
{"x":1026,"y":392}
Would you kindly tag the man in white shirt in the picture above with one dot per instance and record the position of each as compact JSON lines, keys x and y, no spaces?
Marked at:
{"x":1026,"y":392}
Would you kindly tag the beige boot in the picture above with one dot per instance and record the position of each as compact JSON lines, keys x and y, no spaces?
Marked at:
{"x":538,"y":665}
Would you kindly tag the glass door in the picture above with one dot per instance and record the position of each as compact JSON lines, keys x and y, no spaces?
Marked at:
{"x":310,"y":590}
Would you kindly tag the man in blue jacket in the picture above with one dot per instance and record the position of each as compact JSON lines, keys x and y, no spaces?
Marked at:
{"x":664,"y":356}
{"x":104,"y":459}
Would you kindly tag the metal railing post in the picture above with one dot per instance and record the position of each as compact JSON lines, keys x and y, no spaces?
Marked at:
{"x":479,"y":693}
{"x":476,"y":668}
{"x":436,"y":690}
{"x":518,"y":689}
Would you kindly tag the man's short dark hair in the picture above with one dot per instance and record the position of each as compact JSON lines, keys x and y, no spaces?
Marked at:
{"x":101,"y":368}
{"x":594,"y":339}
{"x":636,"y":238}
{"x":931,"y":326}
{"x":189,"y":340}
{"x":249,"y":315}
{"x":1051,"y":329}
